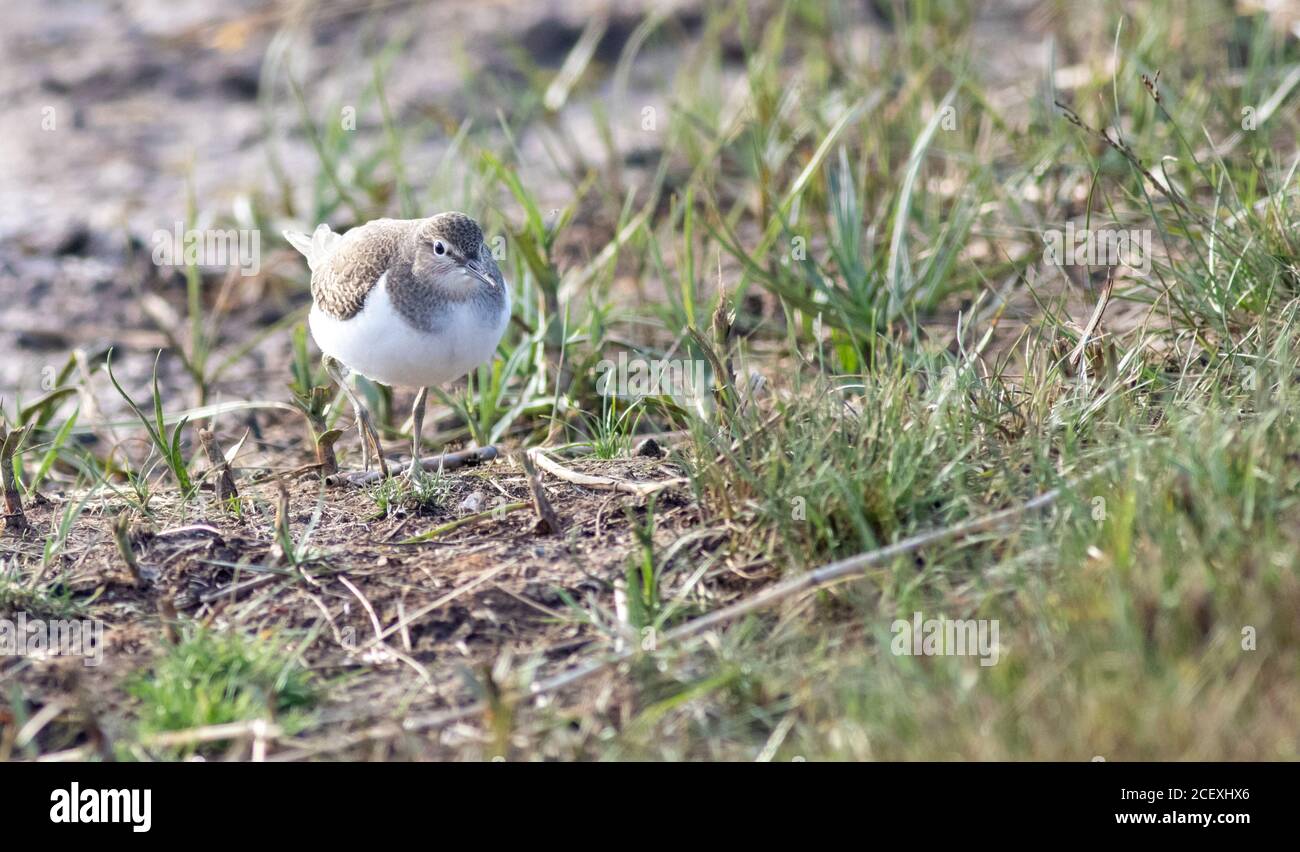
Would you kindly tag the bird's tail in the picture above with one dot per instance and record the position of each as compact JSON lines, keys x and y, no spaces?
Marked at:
{"x":315,"y":248}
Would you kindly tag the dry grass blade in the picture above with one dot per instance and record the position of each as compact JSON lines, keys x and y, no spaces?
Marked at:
{"x":257,"y":729}
{"x":122,"y":538}
{"x":602,"y":483}
{"x":548,"y":523}
{"x":1095,"y":321}
{"x":379,"y":634}
{"x":496,"y":512}
{"x":10,"y":441}
{"x":227,"y":493}
{"x":440,"y":602}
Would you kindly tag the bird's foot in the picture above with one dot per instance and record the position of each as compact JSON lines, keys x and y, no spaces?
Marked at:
{"x":370,"y":444}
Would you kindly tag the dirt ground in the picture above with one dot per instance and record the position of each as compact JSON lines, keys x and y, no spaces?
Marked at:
{"x":491,"y":591}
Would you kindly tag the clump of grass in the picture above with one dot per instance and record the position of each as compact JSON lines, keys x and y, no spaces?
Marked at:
{"x":642,"y":578}
{"x":168,"y":446}
{"x":213,"y":678}
{"x":37,"y":600}
{"x":311,"y":396}
{"x":285,"y":549}
{"x":425,"y":493}
{"x":61,"y":530}
{"x":610,"y":433}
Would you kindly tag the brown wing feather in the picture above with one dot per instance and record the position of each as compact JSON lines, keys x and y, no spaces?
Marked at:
{"x":340,"y":286}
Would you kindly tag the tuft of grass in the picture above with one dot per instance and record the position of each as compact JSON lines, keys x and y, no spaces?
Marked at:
{"x":610,"y":433}
{"x":37,"y":600}
{"x":167,"y":446}
{"x":213,"y":678}
{"x":426,"y":493}
{"x":312,"y":397}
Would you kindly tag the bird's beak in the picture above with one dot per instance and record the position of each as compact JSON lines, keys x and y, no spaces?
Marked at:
{"x":473,"y":268}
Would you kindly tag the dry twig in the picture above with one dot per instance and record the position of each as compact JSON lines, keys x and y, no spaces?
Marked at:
{"x":601,"y":483}
{"x":548,"y":523}
{"x":227,"y":493}
{"x":15,"y":520}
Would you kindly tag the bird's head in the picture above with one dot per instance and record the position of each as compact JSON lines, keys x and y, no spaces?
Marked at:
{"x":449,"y":251}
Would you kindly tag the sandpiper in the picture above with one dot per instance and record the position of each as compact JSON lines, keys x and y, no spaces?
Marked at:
{"x":409,"y":302}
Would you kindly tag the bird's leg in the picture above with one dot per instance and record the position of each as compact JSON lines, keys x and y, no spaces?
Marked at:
{"x":365,"y":426}
{"x":417,"y":426}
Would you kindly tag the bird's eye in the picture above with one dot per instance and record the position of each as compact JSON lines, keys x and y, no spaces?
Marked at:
{"x":439,"y":248}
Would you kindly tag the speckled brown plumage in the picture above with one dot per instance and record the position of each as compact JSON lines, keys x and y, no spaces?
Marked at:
{"x":364,"y":254}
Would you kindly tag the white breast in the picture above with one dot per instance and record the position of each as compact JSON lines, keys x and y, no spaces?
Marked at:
{"x":379,"y":344}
